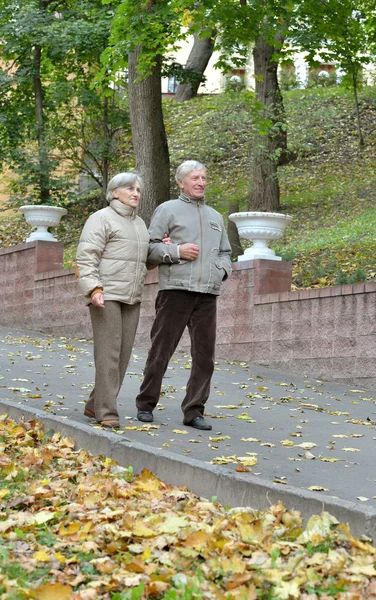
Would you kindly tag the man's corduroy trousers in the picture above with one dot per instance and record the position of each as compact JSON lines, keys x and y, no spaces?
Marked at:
{"x":176,"y":310}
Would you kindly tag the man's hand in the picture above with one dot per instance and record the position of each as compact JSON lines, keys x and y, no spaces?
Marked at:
{"x":98,"y":300}
{"x":189,"y":251}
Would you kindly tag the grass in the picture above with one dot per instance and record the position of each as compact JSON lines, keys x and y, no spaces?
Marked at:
{"x":329,"y":188}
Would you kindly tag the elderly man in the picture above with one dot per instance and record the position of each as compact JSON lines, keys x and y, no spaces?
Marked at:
{"x":191,"y":270}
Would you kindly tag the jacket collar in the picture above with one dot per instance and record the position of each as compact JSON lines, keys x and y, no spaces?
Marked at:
{"x":123,"y":209}
{"x":187,"y":198}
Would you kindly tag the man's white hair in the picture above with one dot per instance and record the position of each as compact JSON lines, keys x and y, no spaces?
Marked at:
{"x":186,"y":167}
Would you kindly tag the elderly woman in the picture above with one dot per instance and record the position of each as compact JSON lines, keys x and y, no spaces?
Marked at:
{"x":111,"y":271}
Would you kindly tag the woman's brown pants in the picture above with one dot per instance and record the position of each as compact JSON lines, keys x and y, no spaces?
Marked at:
{"x":114,"y":330}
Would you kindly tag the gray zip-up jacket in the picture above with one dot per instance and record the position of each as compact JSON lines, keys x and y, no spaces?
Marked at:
{"x":112,"y":253}
{"x":189,"y":220}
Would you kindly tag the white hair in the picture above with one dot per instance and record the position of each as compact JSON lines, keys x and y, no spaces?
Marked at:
{"x":186,"y":167}
{"x":122,"y":180}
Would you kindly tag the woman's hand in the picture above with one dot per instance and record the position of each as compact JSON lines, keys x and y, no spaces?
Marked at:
{"x":98,"y":300}
{"x":166,"y":240}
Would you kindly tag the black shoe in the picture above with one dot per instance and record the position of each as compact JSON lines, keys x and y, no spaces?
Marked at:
{"x":199,"y":423}
{"x":145,"y":415}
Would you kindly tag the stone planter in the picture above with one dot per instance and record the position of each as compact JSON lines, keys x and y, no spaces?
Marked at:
{"x":261,"y":228}
{"x":42,"y":216}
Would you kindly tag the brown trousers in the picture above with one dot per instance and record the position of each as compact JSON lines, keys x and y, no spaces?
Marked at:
{"x":114,"y":330}
{"x":176,"y":310}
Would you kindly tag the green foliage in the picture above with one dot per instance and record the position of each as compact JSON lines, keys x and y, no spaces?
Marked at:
{"x":136,"y":593}
{"x":329,"y":188}
{"x":157,"y":28}
{"x":288,"y":80}
{"x":77,"y":122}
{"x":183,"y":593}
{"x":318,"y":78}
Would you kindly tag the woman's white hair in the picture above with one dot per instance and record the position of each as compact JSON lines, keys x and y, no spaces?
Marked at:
{"x":122,"y":180}
{"x":186,"y":167}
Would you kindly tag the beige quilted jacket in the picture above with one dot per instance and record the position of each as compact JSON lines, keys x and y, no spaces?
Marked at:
{"x":112,"y":253}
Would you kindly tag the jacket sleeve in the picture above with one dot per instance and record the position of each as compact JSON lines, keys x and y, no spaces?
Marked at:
{"x":91,"y":245}
{"x":225,"y":253}
{"x":159,"y":252}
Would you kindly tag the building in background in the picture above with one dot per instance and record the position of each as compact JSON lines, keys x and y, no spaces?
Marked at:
{"x":297,"y":75}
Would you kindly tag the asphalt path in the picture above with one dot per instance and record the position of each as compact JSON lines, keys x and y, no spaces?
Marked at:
{"x":294,"y":431}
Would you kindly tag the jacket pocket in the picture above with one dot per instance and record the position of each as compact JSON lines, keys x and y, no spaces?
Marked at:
{"x":180,"y":273}
{"x":216,"y":270}
{"x":215,"y":225}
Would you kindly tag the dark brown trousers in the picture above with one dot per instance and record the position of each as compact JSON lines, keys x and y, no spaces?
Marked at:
{"x":176,"y":310}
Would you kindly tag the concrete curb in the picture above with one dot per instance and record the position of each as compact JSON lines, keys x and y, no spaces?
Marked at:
{"x":203,"y":479}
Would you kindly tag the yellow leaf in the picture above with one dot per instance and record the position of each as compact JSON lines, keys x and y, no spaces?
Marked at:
{"x":42,"y":517}
{"x":351,"y":449}
{"x":197,"y":539}
{"x":173,"y":524}
{"x":286,"y":590}
{"x":181,"y":431}
{"x":247,"y":461}
{"x":92,"y":499}
{"x":140,"y":428}
{"x":3,"y":493}
{"x":42,"y":556}
{"x":60,"y":557}
{"x":287,"y":443}
{"x":306,"y":445}
{"x":140,"y":530}
{"x":70,"y":529}
{"x":52,"y":591}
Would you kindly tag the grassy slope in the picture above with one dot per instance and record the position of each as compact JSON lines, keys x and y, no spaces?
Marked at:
{"x":329,"y":188}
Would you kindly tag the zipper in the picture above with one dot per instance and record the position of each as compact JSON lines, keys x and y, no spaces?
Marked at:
{"x":138,"y":259}
{"x":201,"y":247}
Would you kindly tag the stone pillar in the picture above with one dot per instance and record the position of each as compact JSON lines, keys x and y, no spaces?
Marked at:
{"x":271,"y":276}
{"x":48,"y":256}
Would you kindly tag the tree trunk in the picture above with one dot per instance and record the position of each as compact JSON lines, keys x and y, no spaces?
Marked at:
{"x":44,"y":174}
{"x":149,"y":135}
{"x":106,"y":148}
{"x":356,"y":102}
{"x":233,"y":234}
{"x":265,"y":190}
{"x":197,"y":61}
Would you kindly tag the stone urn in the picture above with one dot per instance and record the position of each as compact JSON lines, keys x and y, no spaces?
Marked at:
{"x":261,"y":228}
{"x":42,"y":217}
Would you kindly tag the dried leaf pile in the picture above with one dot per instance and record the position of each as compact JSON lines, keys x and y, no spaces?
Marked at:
{"x":78,"y":527}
